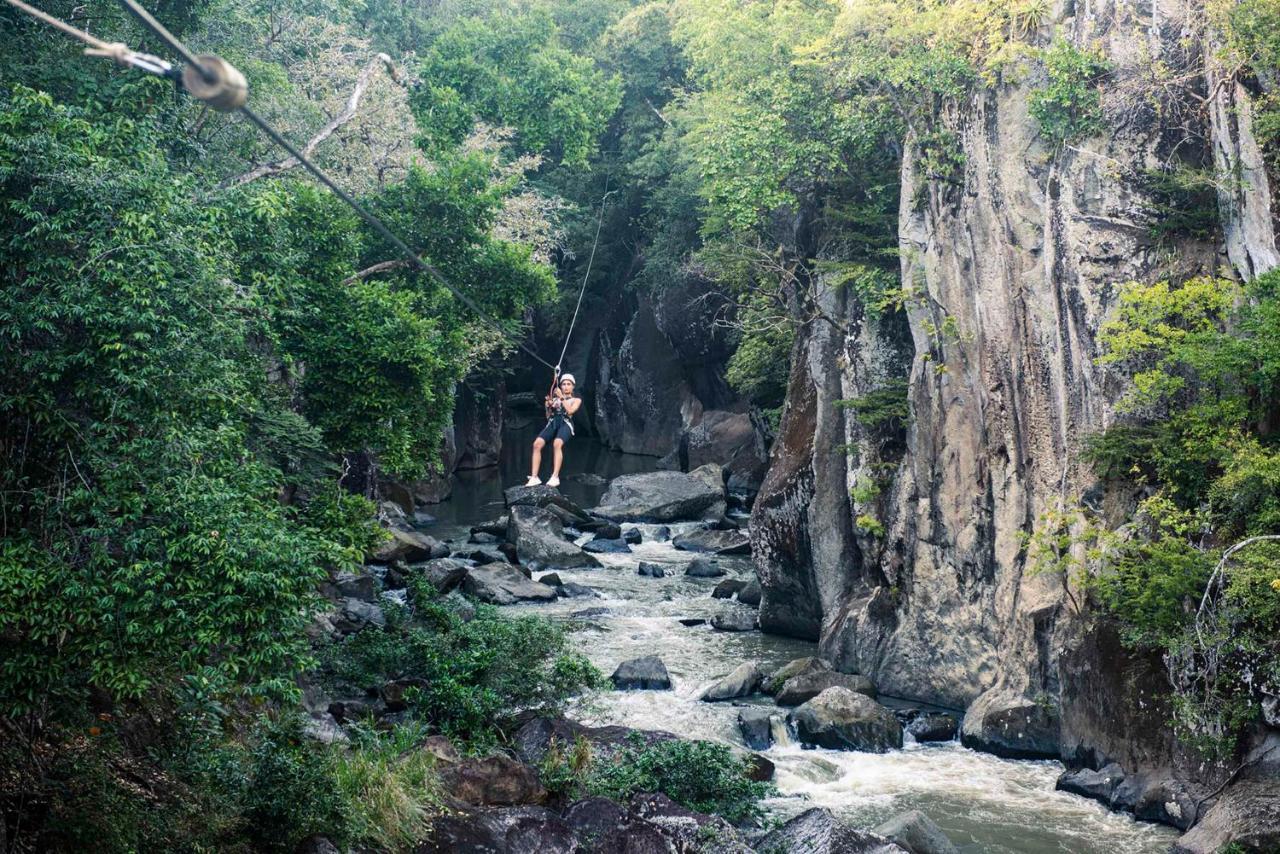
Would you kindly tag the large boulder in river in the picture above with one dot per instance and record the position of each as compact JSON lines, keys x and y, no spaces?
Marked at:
{"x":741,"y":682}
{"x":734,"y":620}
{"x":840,"y":719}
{"x":538,"y":535}
{"x":662,"y":496}
{"x":444,"y":574}
{"x":1009,"y":724}
{"x":647,"y":673}
{"x":933,"y":726}
{"x":503,"y":584}
{"x":714,"y":542}
{"x":700,"y":567}
{"x":917,"y":833}
{"x":750,"y":595}
{"x":805,"y":686}
{"x":817,"y":831}
{"x":1247,"y":815}
{"x":408,"y":546}
{"x":605,"y":546}
{"x":797,"y":666}
{"x":756,"y":725}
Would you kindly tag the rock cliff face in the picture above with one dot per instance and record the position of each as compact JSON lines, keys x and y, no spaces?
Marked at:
{"x":1010,"y":271}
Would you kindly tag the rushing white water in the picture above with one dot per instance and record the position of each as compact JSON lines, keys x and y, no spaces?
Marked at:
{"x":985,"y":804}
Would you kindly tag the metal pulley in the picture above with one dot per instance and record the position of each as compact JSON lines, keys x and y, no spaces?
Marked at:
{"x":216,"y":82}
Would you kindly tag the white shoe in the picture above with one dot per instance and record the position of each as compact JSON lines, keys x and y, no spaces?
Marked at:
{"x":533,"y":481}
{"x":555,"y":481}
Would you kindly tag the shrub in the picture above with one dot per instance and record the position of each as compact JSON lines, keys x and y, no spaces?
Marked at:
{"x":1069,"y":106}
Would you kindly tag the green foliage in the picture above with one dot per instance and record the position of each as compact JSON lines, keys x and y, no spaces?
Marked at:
{"x":760,"y":366}
{"x":700,"y":775}
{"x":474,"y":675}
{"x":509,"y":69}
{"x":883,"y":409}
{"x":1184,"y":203}
{"x":1069,"y":106}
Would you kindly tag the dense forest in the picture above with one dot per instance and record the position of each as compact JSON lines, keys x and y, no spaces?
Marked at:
{"x":209,"y":362}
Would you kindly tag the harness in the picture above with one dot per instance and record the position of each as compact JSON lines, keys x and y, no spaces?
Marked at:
{"x":562,"y":417}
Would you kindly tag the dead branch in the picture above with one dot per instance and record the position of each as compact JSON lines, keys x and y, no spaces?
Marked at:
{"x":380,"y":267}
{"x":347,"y":114}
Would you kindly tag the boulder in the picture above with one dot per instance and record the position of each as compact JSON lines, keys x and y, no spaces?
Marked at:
{"x":441,"y":748}
{"x":1098,"y":785}
{"x":1247,"y":815}
{"x":732,"y":439}
{"x":632,"y":536}
{"x":484,"y":539}
{"x":756,"y":727}
{"x":917,"y":833}
{"x":762,"y":768}
{"x":573,"y":590}
{"x":503,"y":584}
{"x":595,"y":818}
{"x":661,"y":496}
{"x":544,"y":497}
{"x":483,"y":554}
{"x":741,"y":682}
{"x":933,"y":726}
{"x":496,"y":780}
{"x":817,"y":831}
{"x":537,"y":736}
{"x":652,"y":570}
{"x":496,"y":527}
{"x":395,"y":692}
{"x":539,"y":536}
{"x":841,"y":719}
{"x":551,"y":579}
{"x":462,"y":607}
{"x":507,"y":830}
{"x":1009,"y":724}
{"x":750,"y":594}
{"x":714,"y":542}
{"x":355,"y":614}
{"x":647,"y":673}
{"x":727,"y":588}
{"x":408,"y":546}
{"x":324,"y":729}
{"x":684,"y":829}
{"x":599,"y":546}
{"x":444,"y":574}
{"x":316,"y":844}
{"x":736,"y":620}
{"x":700,"y":567}
{"x":661,"y":534}
{"x":690,"y":622}
{"x":797,"y":666}
{"x":355,"y":709}
{"x":805,"y":686}
{"x":607,"y":530}
{"x":349,"y":585}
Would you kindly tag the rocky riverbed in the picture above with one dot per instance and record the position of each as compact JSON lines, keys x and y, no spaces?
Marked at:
{"x":982,"y":802}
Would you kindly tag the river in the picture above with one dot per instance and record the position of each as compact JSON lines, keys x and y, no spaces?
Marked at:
{"x":987,"y":805}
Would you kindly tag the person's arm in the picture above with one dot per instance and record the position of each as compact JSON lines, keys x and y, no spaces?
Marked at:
{"x":571,"y":405}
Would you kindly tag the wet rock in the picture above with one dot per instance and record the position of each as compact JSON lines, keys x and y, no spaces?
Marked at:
{"x":408,"y":546}
{"x":349,"y":585}
{"x":599,"y":546}
{"x":727,"y":588}
{"x":573,"y":590}
{"x":606,"y":530}
{"x":1165,"y":800}
{"x":543,"y":497}
{"x":1011,"y":725}
{"x":496,"y":527}
{"x":756,"y":728}
{"x":917,"y":833}
{"x":316,"y":844}
{"x":750,"y":594}
{"x":632,"y":536}
{"x":482,"y":554}
{"x":590,"y":613}
{"x":444,"y":574}
{"x":805,"y":686}
{"x":539,"y":536}
{"x":690,"y":622}
{"x":503,"y":584}
{"x":355,"y":614}
{"x":595,"y":818}
{"x":496,"y":780}
{"x":508,"y":830}
{"x":933,"y":726}
{"x":737,"y":620}
{"x":762,"y":768}
{"x":551,"y":579}
{"x":661,"y":534}
{"x":1098,"y":785}
{"x":714,"y":542}
{"x":685,"y":829}
{"x":840,"y":719}
{"x":484,"y":539}
{"x":661,"y":496}
{"x":537,"y":736}
{"x":651,"y":570}
{"x":647,"y":673}
{"x":441,"y":748}
{"x":774,"y":682}
{"x":1246,"y":814}
{"x":701,"y":567}
{"x":741,"y":682}
{"x":817,"y":831}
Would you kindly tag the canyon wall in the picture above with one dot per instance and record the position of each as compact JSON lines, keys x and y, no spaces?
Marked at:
{"x":1009,"y":268}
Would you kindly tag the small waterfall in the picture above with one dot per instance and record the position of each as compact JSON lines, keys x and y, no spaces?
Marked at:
{"x":780,"y":731}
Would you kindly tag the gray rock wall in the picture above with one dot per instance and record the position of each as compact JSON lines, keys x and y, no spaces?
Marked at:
{"x":1010,"y":272}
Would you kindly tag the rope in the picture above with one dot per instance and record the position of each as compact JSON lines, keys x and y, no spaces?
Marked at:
{"x":586,"y":275}
{"x":96,"y":46}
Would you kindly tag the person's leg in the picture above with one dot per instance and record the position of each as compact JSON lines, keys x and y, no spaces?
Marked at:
{"x":558,"y":444}
{"x":537,"y":456}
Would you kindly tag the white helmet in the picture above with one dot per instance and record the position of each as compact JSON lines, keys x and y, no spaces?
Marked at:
{"x":568,"y":377}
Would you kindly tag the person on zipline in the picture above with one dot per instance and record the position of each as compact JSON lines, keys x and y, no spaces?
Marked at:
{"x":560,"y":406}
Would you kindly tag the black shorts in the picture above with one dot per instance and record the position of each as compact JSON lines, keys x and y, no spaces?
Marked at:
{"x":557,"y":428}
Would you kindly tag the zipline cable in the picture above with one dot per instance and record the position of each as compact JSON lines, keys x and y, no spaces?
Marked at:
{"x":596,"y":242}
{"x":222,"y":86}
